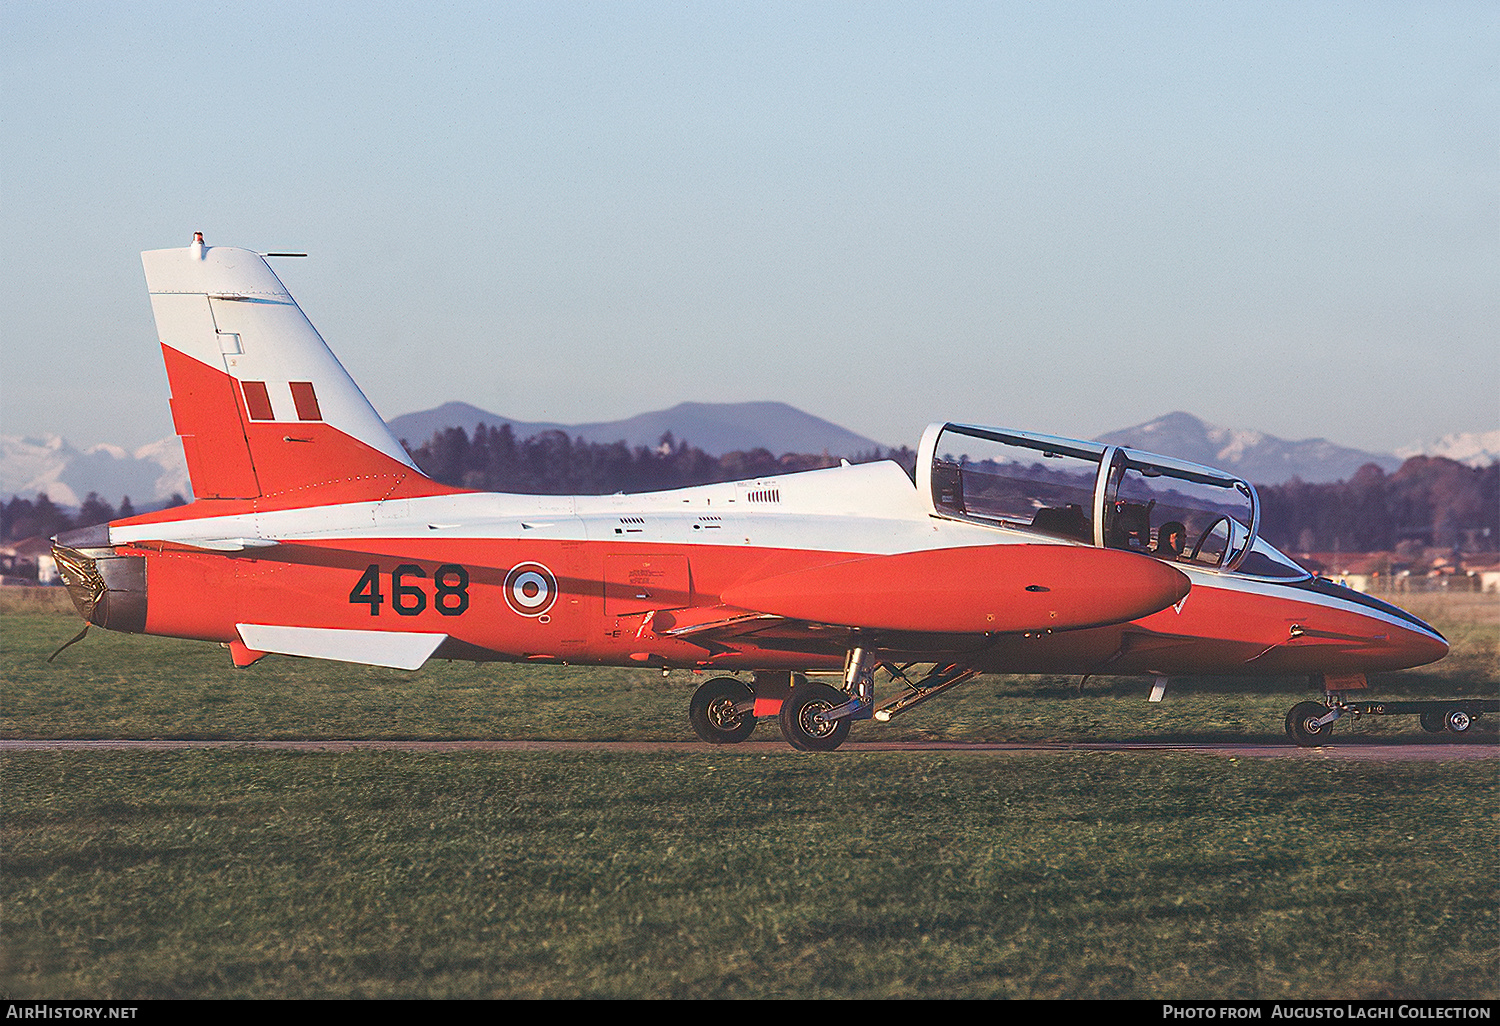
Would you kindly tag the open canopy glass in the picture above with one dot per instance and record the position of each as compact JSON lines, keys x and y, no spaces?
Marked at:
{"x":1100,"y":495}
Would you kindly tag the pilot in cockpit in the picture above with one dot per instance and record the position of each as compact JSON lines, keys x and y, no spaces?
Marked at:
{"x":1171,"y":539}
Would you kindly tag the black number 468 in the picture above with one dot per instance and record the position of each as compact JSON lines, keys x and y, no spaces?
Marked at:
{"x":450,"y":595}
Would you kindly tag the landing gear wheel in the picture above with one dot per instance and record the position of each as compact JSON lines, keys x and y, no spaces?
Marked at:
{"x":714,"y":711}
{"x":1302,"y":726}
{"x":1432,"y":722}
{"x":1458,"y":721}
{"x":798,"y":718}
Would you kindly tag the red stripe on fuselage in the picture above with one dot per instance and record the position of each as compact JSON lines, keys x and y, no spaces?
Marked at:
{"x":203,"y":595}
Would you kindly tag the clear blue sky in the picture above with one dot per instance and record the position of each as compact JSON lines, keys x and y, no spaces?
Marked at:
{"x":1062,"y":217}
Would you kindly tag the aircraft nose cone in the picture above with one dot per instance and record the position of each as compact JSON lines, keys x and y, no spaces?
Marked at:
{"x":1418,"y":648}
{"x":1413,"y":642}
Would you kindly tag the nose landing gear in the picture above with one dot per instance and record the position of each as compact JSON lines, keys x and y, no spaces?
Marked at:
{"x":1310,"y":724}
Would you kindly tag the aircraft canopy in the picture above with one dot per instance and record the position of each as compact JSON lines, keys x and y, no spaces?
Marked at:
{"x":1103,"y":495}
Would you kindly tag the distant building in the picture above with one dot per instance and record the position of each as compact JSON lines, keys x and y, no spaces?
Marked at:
{"x":29,"y":560}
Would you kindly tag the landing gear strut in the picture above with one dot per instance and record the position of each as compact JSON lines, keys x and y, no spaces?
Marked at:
{"x":816,"y":717}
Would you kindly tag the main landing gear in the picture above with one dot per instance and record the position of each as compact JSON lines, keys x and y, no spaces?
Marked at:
{"x":813,"y":716}
{"x":722,"y":711}
{"x":804,"y":718}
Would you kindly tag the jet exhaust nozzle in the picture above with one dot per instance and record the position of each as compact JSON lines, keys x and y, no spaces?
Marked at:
{"x":107,"y":589}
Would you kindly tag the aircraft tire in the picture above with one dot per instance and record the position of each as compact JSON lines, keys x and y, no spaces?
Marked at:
{"x":799,"y":728}
{"x":1433,"y":722}
{"x":1301,"y":728}
{"x":713,"y":715}
{"x":1458,"y":721}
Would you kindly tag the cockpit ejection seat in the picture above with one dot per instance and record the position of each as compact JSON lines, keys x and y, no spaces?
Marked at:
{"x":1098,"y":494}
{"x":1067,"y":522}
{"x":1131,"y":526}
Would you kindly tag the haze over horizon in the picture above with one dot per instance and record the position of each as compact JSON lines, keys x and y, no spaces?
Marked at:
{"x":1061,"y":219}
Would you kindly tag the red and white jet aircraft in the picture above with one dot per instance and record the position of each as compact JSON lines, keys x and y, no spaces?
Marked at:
{"x":314,"y":534}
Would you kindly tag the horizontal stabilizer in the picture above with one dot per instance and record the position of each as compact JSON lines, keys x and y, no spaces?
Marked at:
{"x":373,"y":648}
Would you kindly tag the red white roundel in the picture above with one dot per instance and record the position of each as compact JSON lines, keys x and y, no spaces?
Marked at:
{"x":530,"y":589}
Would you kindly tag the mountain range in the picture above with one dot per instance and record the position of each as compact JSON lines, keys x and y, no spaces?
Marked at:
{"x":716,"y":428}
{"x":152,"y":473}
{"x":66,"y":474}
{"x":1257,"y":457}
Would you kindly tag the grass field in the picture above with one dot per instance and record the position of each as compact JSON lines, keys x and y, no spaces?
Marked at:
{"x":719,"y":872}
{"x":114,"y":685}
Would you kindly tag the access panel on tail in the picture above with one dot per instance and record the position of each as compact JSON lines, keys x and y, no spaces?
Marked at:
{"x":264,"y":408}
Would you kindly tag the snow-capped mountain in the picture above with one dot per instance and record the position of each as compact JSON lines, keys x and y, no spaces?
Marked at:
{"x":67,"y":474}
{"x":1476,"y":448}
{"x":1258,"y":457}
{"x":153,"y":473}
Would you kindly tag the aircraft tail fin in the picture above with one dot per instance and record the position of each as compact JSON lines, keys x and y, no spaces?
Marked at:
{"x":264,"y":408}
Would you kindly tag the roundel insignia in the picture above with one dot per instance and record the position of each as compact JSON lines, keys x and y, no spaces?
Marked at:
{"x":530,"y":589}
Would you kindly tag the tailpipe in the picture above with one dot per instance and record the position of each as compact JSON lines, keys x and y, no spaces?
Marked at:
{"x":108,"y":589}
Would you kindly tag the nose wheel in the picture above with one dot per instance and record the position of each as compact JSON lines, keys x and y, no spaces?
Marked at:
{"x":1304,"y":727}
{"x":1458,"y":721}
{"x":1310,"y":723}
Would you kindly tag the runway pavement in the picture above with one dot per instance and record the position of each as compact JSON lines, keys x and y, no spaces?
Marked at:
{"x":1412,"y":750}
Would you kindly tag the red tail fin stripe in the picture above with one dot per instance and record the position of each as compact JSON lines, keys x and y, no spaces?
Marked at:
{"x":255,"y":458}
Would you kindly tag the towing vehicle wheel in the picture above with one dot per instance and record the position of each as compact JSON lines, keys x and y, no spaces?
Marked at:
{"x":1432,"y":722}
{"x":798,"y":718}
{"x":1302,"y":726}
{"x":1458,"y":721}
{"x":714,"y":714}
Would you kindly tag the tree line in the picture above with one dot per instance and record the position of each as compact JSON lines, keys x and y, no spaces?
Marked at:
{"x":1429,"y":501}
{"x":551,"y":463}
